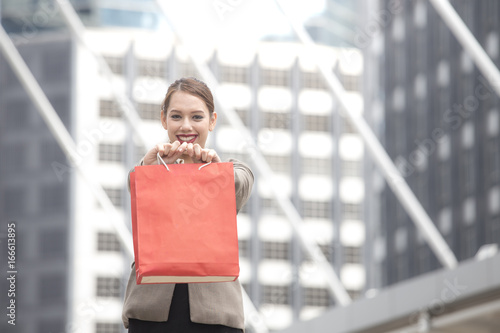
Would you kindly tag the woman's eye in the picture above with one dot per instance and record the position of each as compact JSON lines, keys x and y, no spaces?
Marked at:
{"x":198,"y":117}
{"x":175,"y":116}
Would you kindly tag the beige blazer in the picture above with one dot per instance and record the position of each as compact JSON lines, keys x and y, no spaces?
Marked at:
{"x":210,"y":303}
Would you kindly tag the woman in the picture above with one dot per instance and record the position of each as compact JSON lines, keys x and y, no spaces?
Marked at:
{"x":188,"y":115}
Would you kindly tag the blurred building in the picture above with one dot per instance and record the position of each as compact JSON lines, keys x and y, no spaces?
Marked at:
{"x":32,"y":195}
{"x":439,"y":120}
{"x":73,"y":270}
{"x":278,"y":94}
{"x":335,"y":26}
{"x":282,"y":99}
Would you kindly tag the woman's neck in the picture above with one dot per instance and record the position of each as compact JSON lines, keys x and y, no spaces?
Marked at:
{"x":187,"y":159}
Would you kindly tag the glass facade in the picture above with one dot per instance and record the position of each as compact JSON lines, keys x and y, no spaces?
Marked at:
{"x":441,"y":129}
{"x":32,"y":194}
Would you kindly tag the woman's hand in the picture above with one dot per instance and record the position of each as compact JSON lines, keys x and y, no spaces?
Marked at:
{"x":170,"y":152}
{"x":201,"y":155}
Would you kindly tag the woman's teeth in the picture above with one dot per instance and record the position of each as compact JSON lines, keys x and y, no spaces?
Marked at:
{"x":186,"y":138}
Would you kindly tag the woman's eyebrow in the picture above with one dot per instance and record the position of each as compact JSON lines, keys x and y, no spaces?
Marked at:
{"x":195,"y":111}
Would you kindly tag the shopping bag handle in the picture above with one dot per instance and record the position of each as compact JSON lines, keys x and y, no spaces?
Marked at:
{"x":158,"y":157}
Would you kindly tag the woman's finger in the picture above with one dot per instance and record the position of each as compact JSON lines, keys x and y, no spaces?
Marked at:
{"x":197,"y":152}
{"x":160,"y":148}
{"x":173,"y":148}
{"x":204,"y":155}
{"x":190,"y":150}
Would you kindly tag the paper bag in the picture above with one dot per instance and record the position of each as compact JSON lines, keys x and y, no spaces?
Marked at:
{"x":184,"y":223}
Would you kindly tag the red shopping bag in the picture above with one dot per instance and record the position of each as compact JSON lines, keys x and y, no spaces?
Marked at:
{"x":184,"y":223}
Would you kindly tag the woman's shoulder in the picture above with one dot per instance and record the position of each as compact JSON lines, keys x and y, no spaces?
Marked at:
{"x":239,"y":165}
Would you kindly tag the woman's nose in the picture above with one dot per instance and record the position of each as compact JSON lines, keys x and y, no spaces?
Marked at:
{"x":186,"y":124}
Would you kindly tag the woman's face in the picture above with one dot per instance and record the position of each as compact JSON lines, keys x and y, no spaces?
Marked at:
{"x":187,"y":119}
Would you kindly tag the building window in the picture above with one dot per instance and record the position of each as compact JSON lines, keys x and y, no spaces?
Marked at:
{"x":313,"y":80}
{"x":420,"y":119}
{"x":16,"y":117}
{"x":470,"y":242}
{"x":442,"y":40}
{"x":316,"y":209}
{"x":110,"y":152}
{"x":187,"y":70}
{"x":115,"y":64}
{"x":51,"y":289}
{"x":53,"y":198}
{"x":398,"y":129}
{"x":244,"y":248}
{"x":149,"y":111}
{"x":276,"y":250}
{"x":14,"y":157}
{"x":316,"y":123}
{"x":50,"y":153}
{"x":493,"y":236}
{"x":139,"y":153}
{"x":101,"y":327}
{"x":352,"y":169}
{"x":52,"y":243}
{"x":115,"y":195}
{"x":316,"y":166}
{"x":316,"y":297}
{"x":399,"y":65}
{"x":281,"y":164}
{"x":243,"y":114}
{"x":51,"y":325}
{"x":109,"y":109}
{"x":14,"y":200}
{"x":423,"y":259}
{"x":420,"y":188}
{"x":494,"y":160}
{"x":352,"y":255}
{"x":275,"y":294}
{"x":468,"y":172}
{"x":276,"y":120}
{"x":351,"y":82}
{"x":269,"y":206}
{"x":108,"y":242}
{"x":234,"y":74}
{"x":351,"y":212}
{"x":155,"y":68}
{"x":348,"y":127}
{"x":444,"y":183}
{"x":275,"y":77}
{"x":402,"y":269}
{"x":108,"y":287}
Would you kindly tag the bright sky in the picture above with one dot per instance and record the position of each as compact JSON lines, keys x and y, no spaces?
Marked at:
{"x":235,"y":21}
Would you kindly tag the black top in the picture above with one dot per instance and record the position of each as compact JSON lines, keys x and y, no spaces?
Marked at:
{"x":178,"y":319}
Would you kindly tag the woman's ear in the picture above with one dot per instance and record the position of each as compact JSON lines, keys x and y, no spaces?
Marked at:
{"x":213,"y":121}
{"x":163,"y":119}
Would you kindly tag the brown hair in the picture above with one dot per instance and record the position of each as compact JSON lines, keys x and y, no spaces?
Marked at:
{"x":193,"y":86}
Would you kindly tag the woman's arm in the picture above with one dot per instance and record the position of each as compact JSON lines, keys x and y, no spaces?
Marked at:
{"x":132,"y":170}
{"x":243,"y":183}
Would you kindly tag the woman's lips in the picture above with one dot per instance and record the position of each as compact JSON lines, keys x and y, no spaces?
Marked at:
{"x":186,"y":138}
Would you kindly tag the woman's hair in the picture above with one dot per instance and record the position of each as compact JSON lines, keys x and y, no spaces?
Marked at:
{"x":193,"y":86}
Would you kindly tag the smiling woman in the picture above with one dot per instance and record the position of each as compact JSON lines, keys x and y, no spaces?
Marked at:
{"x":187,"y":113}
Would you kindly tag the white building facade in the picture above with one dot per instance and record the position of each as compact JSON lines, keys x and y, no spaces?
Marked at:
{"x":315,"y":155}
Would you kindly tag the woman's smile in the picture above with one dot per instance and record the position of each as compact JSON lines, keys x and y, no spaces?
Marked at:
{"x":191,"y":138}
